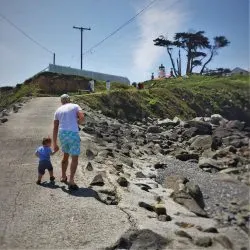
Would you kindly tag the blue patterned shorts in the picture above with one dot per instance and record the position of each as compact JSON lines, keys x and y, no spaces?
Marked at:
{"x":70,"y":142}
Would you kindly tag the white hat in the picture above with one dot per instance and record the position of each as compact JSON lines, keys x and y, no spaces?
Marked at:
{"x":65,"y":98}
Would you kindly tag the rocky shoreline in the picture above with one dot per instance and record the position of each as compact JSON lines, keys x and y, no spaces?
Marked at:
{"x":202,"y":164}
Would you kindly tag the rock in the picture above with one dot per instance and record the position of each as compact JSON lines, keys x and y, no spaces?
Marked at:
{"x":160,"y":209}
{"x":201,"y":142}
{"x":105,"y":153}
{"x":222,"y":132}
{"x":202,"y":128}
{"x":154,"y":129}
{"x":235,"y":124}
{"x":142,"y":240}
{"x":160,"y":165}
{"x":140,"y":175}
{"x":224,"y":152}
{"x":15,"y":108}
{"x":210,"y":230}
{"x":230,"y":171}
{"x":216,"y":142}
{"x":224,"y":241}
{"x":97,"y":181}
{"x":195,"y":192}
{"x":187,"y":156}
{"x":168,"y":122}
{"x":88,"y":130}
{"x":119,"y":167}
{"x":143,"y":186}
{"x":89,"y":166}
{"x":203,"y":241}
{"x":190,"y":132}
{"x":128,"y":161}
{"x":189,"y":202}
{"x":146,"y":206}
{"x":182,"y":233}
{"x":122,"y":181}
{"x":184,"y":224}
{"x":216,"y":119}
{"x":107,"y":197}
{"x":151,"y":176}
{"x":173,"y":181}
{"x":164,"y":217}
{"x":3,"y":120}
{"x":5,"y":112}
{"x":90,"y":155}
{"x":210,"y":163}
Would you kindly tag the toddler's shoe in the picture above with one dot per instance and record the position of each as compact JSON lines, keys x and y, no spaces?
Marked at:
{"x":38,"y":182}
{"x":52,"y":179}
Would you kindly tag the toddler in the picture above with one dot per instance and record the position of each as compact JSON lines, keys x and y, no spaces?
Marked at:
{"x":43,"y":153}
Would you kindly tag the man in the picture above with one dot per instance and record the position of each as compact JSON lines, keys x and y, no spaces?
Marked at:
{"x":66,"y":120}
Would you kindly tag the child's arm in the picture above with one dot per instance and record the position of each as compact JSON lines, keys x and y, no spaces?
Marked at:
{"x":37,"y":154}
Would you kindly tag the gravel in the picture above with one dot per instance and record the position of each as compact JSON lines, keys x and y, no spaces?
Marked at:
{"x":218,"y":194}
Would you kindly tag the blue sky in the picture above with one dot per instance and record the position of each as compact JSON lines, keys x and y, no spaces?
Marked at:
{"x":130,"y":52}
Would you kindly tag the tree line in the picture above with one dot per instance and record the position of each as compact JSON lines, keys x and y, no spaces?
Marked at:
{"x":198,"y":49}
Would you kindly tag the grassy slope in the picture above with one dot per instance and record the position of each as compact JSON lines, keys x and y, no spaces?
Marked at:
{"x":12,"y":96}
{"x":194,"y":96}
{"x":186,"y":98}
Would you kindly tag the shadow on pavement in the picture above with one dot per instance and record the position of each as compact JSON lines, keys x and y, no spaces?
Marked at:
{"x":50,"y":185}
{"x":82,"y":192}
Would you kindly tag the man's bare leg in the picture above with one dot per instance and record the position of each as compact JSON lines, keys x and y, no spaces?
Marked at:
{"x":65,"y":162}
{"x":73,"y":167}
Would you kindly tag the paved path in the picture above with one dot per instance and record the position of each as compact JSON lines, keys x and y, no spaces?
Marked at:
{"x":46,"y":217}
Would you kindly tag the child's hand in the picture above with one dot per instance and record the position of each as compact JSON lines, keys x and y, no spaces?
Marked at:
{"x":55,"y":150}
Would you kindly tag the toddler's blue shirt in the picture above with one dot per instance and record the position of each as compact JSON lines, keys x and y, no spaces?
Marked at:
{"x":44,"y":153}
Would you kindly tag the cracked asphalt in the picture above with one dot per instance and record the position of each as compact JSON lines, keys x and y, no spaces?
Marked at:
{"x":47,"y":217}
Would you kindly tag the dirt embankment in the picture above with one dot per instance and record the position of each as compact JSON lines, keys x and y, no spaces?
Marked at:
{"x":51,"y":83}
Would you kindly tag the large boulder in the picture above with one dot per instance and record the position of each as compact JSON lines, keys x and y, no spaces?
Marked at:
{"x":195,"y":192}
{"x":235,"y":124}
{"x":201,"y":142}
{"x":185,"y":199}
{"x":210,"y":163}
{"x":217,"y":119}
{"x":202,"y":128}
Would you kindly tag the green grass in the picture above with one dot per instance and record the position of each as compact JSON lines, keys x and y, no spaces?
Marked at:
{"x":183,"y":97}
{"x":9,"y":97}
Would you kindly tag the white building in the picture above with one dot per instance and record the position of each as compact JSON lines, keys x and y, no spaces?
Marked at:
{"x":89,"y":74}
{"x":239,"y":71}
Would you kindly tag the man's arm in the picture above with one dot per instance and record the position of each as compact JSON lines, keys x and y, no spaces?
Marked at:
{"x":80,"y":116}
{"x":55,"y":132}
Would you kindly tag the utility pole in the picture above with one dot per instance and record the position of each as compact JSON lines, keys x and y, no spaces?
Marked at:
{"x":81,"y":29}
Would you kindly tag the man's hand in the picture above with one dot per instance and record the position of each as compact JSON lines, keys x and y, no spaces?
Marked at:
{"x":80,"y":116}
{"x":55,"y":148}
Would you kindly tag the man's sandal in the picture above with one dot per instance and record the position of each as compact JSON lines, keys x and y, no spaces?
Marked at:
{"x":64,"y":180}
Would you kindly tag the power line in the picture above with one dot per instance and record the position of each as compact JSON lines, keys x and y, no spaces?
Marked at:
{"x":119,"y":28}
{"x":25,"y":34}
